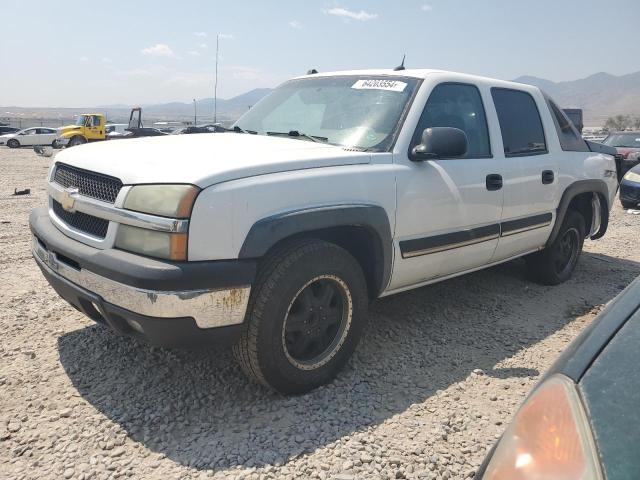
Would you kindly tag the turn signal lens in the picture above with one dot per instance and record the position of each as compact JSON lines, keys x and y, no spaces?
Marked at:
{"x":549,"y":438}
{"x":171,"y":246}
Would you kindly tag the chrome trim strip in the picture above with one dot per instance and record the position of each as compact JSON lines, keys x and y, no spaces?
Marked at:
{"x":525,"y":229}
{"x":449,"y":246}
{"x":209,"y":308}
{"x":109,"y":212}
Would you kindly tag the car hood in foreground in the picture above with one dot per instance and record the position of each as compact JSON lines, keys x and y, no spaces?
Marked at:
{"x":611,"y":389}
{"x":204,"y":159}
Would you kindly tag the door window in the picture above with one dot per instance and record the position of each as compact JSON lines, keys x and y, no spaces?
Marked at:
{"x":520,"y":123}
{"x":570,"y":139}
{"x":96,"y":120}
{"x":459,"y":106}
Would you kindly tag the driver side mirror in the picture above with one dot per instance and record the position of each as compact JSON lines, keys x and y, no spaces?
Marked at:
{"x":440,"y":142}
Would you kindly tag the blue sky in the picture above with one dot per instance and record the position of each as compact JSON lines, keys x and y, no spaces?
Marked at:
{"x":143,"y":51}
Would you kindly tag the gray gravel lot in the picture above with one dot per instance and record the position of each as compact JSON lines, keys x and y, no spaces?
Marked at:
{"x":440,"y":372}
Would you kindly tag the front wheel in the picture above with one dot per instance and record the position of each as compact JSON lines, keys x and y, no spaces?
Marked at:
{"x":77,"y":140}
{"x":305,"y":317}
{"x":13,"y":143}
{"x":555,"y":264}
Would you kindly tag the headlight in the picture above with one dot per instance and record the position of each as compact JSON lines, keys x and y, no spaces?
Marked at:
{"x":171,"y":246}
{"x":548,"y":438}
{"x":632,"y":177}
{"x":173,"y":201}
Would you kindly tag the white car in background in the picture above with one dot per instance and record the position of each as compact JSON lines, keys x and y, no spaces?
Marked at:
{"x":116,"y":129}
{"x":29,"y":137}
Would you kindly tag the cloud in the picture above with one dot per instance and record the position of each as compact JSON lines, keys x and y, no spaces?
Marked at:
{"x":226,"y":36}
{"x":295,"y":24}
{"x":200,"y":34}
{"x":360,"y":16}
{"x":84,"y":59}
{"x":158,"y":50}
{"x":193,"y":53}
{"x":106,"y":60}
{"x":202,"y":45}
{"x":426,"y":8}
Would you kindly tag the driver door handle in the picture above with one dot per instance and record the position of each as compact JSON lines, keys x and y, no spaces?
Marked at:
{"x":494,"y":182}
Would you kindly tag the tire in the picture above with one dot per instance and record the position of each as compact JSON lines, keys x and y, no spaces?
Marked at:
{"x":13,"y":143}
{"x":555,"y":264}
{"x":77,"y":140}
{"x":307,"y":285}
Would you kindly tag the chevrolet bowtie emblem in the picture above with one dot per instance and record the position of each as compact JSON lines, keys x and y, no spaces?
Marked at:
{"x":68,"y":200}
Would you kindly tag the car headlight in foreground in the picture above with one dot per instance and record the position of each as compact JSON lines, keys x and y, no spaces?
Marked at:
{"x":632,"y":177}
{"x":174,"y":201}
{"x":549,"y":438}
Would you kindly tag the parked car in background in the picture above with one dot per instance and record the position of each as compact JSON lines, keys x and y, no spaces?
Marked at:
{"x":630,"y":188}
{"x":29,"y":137}
{"x":4,"y":129}
{"x":198,"y":129}
{"x":582,"y":420}
{"x":628,"y":146}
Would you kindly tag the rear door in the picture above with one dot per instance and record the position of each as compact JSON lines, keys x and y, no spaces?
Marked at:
{"x":529,"y":169}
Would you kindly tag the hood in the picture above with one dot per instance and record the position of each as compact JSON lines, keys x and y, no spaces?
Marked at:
{"x":204,"y":159}
{"x":68,"y":128}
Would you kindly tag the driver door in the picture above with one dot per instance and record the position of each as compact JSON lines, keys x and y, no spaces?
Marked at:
{"x":94,"y":127}
{"x":448,"y":210}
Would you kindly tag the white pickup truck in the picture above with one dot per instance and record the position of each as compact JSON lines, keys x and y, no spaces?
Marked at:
{"x":334,"y":190}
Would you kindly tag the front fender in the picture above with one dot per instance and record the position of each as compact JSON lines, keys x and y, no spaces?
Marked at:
{"x":267,"y":232}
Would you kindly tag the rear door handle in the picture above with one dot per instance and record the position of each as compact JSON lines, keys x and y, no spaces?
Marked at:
{"x":494,"y":182}
{"x":547,"y":177}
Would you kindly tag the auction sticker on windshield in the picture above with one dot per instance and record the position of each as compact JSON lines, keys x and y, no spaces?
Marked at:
{"x":391,"y":85}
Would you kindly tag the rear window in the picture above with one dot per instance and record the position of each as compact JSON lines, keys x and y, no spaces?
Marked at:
{"x":630,"y":140}
{"x":520,"y":123}
{"x":570,"y":139}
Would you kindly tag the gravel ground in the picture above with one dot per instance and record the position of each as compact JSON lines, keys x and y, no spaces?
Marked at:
{"x":432,"y":385}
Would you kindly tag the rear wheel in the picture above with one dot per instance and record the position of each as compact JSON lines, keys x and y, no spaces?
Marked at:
{"x":555,"y":264}
{"x":305,"y":316}
{"x":13,"y":143}
{"x":77,"y":140}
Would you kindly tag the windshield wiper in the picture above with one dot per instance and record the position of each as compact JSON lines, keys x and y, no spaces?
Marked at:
{"x":296,"y":133}
{"x":238,"y":129}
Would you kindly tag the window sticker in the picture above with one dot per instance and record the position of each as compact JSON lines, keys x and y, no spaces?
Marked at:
{"x":390,"y":85}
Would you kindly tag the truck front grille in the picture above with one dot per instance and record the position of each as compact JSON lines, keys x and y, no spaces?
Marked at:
{"x":94,"y":226}
{"x":91,"y":184}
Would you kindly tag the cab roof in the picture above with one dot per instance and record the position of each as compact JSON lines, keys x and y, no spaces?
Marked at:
{"x":420,"y":73}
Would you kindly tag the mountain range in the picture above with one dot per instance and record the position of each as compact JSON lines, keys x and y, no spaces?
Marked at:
{"x":600,"y":95}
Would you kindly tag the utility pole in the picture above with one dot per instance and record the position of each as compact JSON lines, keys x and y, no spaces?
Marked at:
{"x":195,"y":113}
{"x":215,"y":85}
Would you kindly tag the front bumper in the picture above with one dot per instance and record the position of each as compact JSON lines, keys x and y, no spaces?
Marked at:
{"x":60,"y":142}
{"x":165,"y":303}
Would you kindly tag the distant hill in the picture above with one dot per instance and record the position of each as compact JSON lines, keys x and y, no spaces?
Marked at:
{"x":231,"y":107}
{"x":600,"y":95}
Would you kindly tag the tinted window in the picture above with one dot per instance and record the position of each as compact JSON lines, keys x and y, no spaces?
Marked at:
{"x":570,"y":139}
{"x":522,"y":132}
{"x":458,"y":106}
{"x":631,"y":140}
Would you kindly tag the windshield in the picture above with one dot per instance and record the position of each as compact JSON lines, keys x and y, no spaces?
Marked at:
{"x":81,"y":120}
{"x":361,"y":112}
{"x":631,"y":140}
